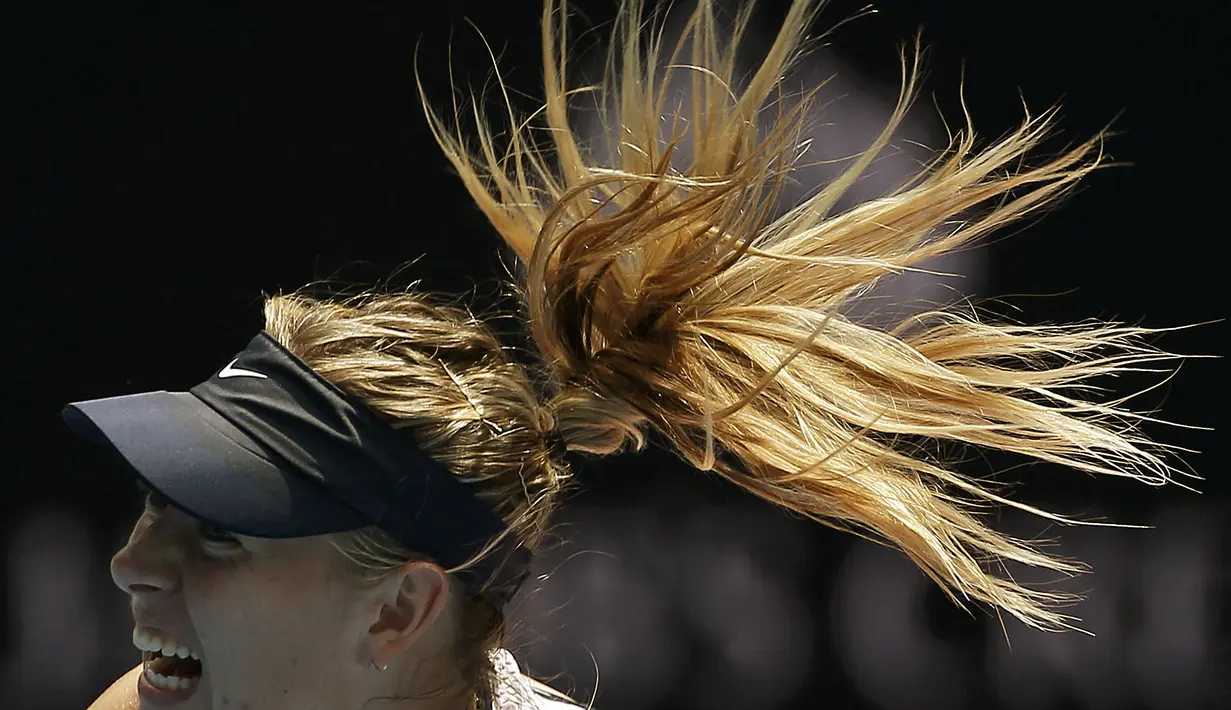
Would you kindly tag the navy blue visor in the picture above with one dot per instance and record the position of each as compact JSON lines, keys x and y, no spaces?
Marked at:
{"x":268,"y":448}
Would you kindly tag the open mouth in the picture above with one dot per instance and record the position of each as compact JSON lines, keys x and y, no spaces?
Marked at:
{"x":168,"y":665}
{"x":172,"y":672}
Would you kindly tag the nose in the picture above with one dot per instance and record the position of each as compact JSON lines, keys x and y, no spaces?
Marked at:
{"x":148,"y":562}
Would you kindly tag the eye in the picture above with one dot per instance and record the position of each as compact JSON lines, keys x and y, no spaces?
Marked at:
{"x":216,"y":536}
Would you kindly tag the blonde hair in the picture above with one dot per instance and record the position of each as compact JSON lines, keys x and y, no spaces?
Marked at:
{"x":666,"y":299}
{"x":437,"y":373}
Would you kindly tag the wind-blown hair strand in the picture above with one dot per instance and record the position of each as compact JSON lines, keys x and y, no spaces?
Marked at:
{"x":667,"y":298}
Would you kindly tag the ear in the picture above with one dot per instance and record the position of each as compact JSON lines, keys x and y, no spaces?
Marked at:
{"x":410,"y":603}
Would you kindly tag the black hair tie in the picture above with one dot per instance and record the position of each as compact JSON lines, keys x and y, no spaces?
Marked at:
{"x":557,"y":447}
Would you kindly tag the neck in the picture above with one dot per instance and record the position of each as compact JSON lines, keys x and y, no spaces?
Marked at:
{"x":418,"y":686}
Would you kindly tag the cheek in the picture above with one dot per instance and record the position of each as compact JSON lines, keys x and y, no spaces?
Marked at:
{"x":263,"y":619}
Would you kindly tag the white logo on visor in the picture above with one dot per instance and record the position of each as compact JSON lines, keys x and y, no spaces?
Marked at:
{"x":229,"y":371}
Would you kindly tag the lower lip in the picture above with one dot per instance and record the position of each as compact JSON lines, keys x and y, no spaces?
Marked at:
{"x":162,"y":697}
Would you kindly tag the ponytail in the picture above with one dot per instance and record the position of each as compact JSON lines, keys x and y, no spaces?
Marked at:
{"x":667,"y":298}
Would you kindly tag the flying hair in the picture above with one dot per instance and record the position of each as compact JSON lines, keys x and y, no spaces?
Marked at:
{"x":666,"y":299}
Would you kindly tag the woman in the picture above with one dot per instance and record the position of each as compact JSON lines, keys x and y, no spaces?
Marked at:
{"x":340,"y":513}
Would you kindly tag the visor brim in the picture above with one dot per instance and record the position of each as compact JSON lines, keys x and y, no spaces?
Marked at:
{"x":208,"y":468}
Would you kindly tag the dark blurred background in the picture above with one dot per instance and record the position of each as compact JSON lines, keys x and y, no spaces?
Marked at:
{"x":171,"y":161}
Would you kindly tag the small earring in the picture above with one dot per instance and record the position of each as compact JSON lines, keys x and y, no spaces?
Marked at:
{"x":379,"y":668}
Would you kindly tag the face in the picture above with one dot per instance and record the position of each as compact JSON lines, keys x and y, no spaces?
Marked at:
{"x":274,"y":622}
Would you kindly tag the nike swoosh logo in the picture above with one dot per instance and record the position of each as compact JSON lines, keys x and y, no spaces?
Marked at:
{"x":230,"y":371}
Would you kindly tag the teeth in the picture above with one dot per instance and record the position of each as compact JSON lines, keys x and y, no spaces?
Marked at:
{"x":170,"y":682}
{"x":149,"y":641}
{"x":173,"y":650}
